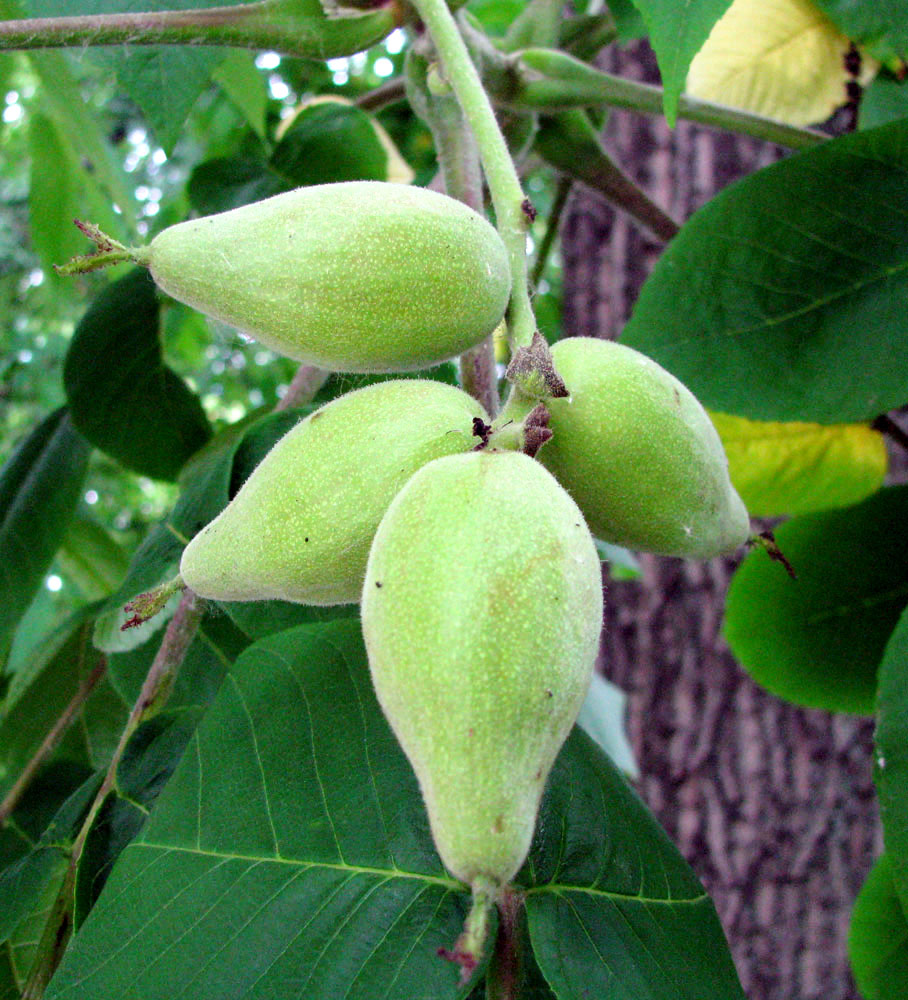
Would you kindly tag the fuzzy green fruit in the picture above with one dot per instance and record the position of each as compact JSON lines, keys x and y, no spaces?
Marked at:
{"x":301,"y":526}
{"x":482,"y":608}
{"x":357,"y":277}
{"x":639,"y":454}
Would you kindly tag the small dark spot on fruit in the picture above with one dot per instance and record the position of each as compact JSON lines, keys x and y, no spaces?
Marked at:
{"x":529,"y":209}
{"x":548,"y":693}
{"x":470,"y":731}
{"x":378,"y":584}
{"x":306,"y":539}
{"x":499,"y":824}
{"x":539,"y":774}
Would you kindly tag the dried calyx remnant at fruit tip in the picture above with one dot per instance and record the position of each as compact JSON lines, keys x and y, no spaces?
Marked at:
{"x":361,"y":276}
{"x":639,"y":454}
{"x":301,"y":526}
{"x":482,"y":607}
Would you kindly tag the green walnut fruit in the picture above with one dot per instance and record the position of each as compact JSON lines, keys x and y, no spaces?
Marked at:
{"x":639,"y":454}
{"x":362,"y":276}
{"x":482,"y":607}
{"x":301,"y":526}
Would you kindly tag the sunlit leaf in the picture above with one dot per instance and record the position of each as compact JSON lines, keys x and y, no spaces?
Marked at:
{"x":798,"y":468}
{"x":782,"y":59}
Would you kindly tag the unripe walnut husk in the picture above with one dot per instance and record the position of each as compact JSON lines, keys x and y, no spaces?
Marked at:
{"x":637,"y":451}
{"x":361,"y":276}
{"x":482,"y":607}
{"x":301,"y":526}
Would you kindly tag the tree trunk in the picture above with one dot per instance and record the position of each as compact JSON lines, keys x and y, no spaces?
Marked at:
{"x":773,"y":805}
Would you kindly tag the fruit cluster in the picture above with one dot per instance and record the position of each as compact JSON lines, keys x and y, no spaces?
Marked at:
{"x":474,"y":562}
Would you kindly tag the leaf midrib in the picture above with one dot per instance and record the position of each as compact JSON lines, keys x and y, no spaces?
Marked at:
{"x":450,"y":884}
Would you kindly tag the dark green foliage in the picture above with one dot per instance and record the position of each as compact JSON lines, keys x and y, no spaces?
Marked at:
{"x":122,"y":395}
{"x":789,"y":282}
{"x":327,"y":875}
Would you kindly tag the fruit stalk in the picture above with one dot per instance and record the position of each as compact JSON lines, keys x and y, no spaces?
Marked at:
{"x":458,"y":161}
{"x":513,"y":210}
{"x":157,"y":685}
{"x":549,"y":80}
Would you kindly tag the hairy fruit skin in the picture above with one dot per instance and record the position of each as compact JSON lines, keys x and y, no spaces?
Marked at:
{"x":639,"y":454}
{"x":482,"y":607}
{"x":361,"y":276}
{"x":301,"y":526}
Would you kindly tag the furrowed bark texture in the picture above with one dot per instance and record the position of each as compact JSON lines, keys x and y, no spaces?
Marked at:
{"x":772,"y":805}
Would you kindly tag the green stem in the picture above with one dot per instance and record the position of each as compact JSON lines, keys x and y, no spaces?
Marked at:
{"x":551,"y":230}
{"x":306,"y":383}
{"x":547,"y":80}
{"x":508,"y":198}
{"x":569,"y":141}
{"x":155,"y":690}
{"x":50,"y":742}
{"x":458,"y":161}
{"x":285,"y":26}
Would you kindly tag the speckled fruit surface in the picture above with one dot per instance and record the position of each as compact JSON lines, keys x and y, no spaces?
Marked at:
{"x":482,"y":607}
{"x":639,"y":454}
{"x":301,"y":526}
{"x":361,"y":276}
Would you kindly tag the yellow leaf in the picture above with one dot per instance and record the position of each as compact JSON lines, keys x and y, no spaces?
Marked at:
{"x":783,"y":59}
{"x":797,"y":468}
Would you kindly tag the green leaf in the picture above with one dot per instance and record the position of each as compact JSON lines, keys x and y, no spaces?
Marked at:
{"x":27,"y":882}
{"x":91,"y":558}
{"x":628,"y":20}
{"x":891,"y":771}
{"x":34,"y":708}
{"x":776,"y":300}
{"x":245,"y":86}
{"x":327,"y":877}
{"x":885,"y":100}
{"x":103,"y":174}
{"x":324,"y":143}
{"x":615,"y":911}
{"x":150,"y":758}
{"x":798,"y":468}
{"x":207,"y":480}
{"x":262,"y":618}
{"x":53,"y":200}
{"x":40,"y":486}
{"x":164,"y":80}
{"x":676,"y":33}
{"x":216,"y":645}
{"x":878,"y":937}
{"x":328,"y":142}
{"x":39,"y":652}
{"x":818,"y":640}
{"x":227,"y":182}
{"x":122,"y":396}
{"x":49,"y":789}
{"x":881,"y":25}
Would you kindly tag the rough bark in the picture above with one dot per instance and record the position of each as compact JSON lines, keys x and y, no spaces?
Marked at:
{"x":772,"y":805}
